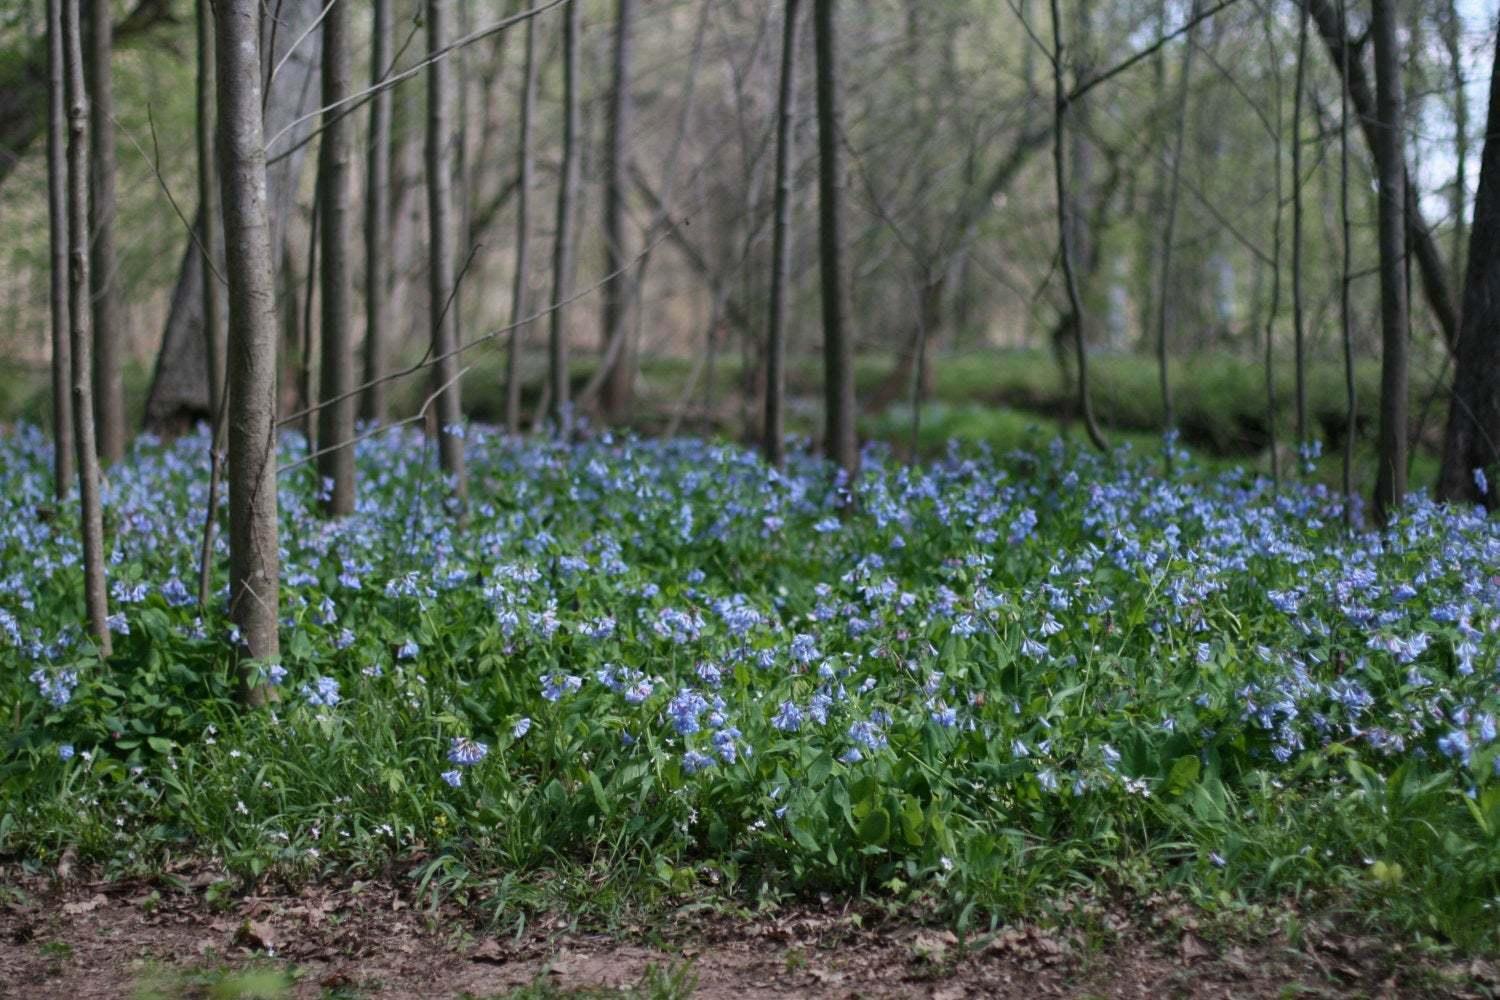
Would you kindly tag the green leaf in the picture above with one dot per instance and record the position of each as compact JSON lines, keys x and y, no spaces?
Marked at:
{"x":875,"y":828}
{"x":911,"y":822}
{"x":160,"y":744}
{"x":1184,"y":774}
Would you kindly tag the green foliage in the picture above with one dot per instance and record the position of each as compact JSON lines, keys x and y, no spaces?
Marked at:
{"x":990,"y":746}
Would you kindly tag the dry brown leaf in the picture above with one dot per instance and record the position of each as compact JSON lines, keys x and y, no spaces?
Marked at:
{"x":1193,"y":949}
{"x":487,"y":951}
{"x":256,"y":934}
{"x":84,"y":906}
{"x":933,"y":946}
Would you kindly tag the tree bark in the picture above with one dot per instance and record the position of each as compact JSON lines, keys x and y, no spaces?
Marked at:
{"x":378,"y":223}
{"x":254,"y":558}
{"x":563,"y":251}
{"x":1346,"y":267}
{"x":840,"y":442}
{"x":1451,"y":31}
{"x":57,"y":224}
{"x":210,"y":212}
{"x":1298,"y":331}
{"x":179,"y":393}
{"x":1272,"y":409}
{"x":440,"y":140}
{"x":91,"y":513}
{"x":1472,"y":440}
{"x":109,"y":332}
{"x":215,"y":333}
{"x":774,"y":439}
{"x":1390,"y":482}
{"x":335,"y":176}
{"x":615,"y":295}
{"x":525,"y":168}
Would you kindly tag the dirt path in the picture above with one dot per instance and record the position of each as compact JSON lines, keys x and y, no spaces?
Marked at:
{"x":122,"y":940}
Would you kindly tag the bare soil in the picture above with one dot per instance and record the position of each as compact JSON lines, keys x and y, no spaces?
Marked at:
{"x":84,"y":940}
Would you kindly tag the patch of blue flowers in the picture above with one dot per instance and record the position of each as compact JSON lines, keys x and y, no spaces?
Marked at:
{"x":966,"y":647}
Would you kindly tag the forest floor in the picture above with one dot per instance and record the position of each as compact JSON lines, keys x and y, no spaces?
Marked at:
{"x":85,"y":940}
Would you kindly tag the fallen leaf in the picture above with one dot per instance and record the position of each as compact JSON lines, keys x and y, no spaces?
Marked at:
{"x":1193,"y":949}
{"x":86,"y":906}
{"x":488,"y":951}
{"x":257,"y":935}
{"x":932,"y":946}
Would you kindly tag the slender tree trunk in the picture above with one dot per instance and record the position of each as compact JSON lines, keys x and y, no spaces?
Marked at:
{"x":91,"y":513}
{"x":1304,"y":432}
{"x":307,"y":387}
{"x":1472,"y":441}
{"x":209,"y":213}
{"x":335,"y":174}
{"x":1065,"y":209}
{"x":1156,"y":199}
{"x":440,"y":139}
{"x":1346,"y":265}
{"x":254,"y":557}
{"x":109,"y":329}
{"x":774,"y":439}
{"x":378,"y":223}
{"x":1451,"y":30}
{"x":1390,"y":482}
{"x":215,"y":332}
{"x":57,"y":222}
{"x":840,"y":445}
{"x":1272,"y":437}
{"x":1168,"y":237}
{"x":620,"y":382}
{"x":562,"y":254}
{"x":525,"y":168}
{"x":462,"y":175}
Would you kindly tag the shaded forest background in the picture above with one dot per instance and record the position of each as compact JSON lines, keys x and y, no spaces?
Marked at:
{"x":951,"y":242}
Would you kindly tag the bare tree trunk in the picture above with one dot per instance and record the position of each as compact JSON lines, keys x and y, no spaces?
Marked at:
{"x":562,"y":255}
{"x":440,"y":139}
{"x":524,"y":170}
{"x":1390,"y":482}
{"x":57,"y":223}
{"x":1304,"y":438}
{"x":335,"y":174}
{"x":620,"y":382}
{"x":1472,"y":442}
{"x":308,"y":351}
{"x":840,"y":443}
{"x":774,"y":440}
{"x":1451,"y":31}
{"x":91,"y":513}
{"x":378,"y":223}
{"x":1065,"y":210}
{"x":1275,"y":262}
{"x":109,"y":330}
{"x":215,"y":332}
{"x":254,"y":557}
{"x":209,"y":213}
{"x":1346,"y":314}
{"x":1168,"y":236}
